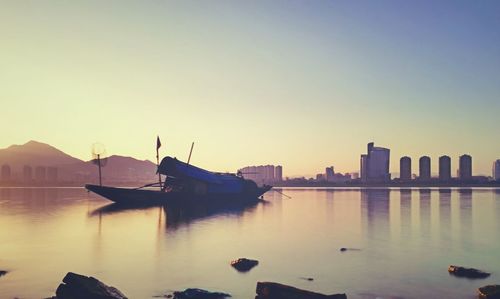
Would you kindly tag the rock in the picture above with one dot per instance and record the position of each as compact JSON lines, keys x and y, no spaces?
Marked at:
{"x":273,"y":290}
{"x":244,"y":264}
{"x":489,"y":292}
{"x":467,"y":272}
{"x":77,"y":286}
{"x":199,"y":294}
{"x":2,"y":273}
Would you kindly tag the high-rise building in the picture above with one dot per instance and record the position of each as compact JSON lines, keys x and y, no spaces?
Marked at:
{"x":6,"y":175}
{"x":27,"y":173}
{"x":444,"y":168}
{"x":465,"y":167}
{"x":329,"y":173}
{"x":375,"y":164}
{"x":496,"y":170}
{"x":40,"y":173}
{"x":405,"y":169}
{"x":52,"y":174}
{"x":278,"y":173}
{"x":262,"y":174}
{"x":424,"y":167}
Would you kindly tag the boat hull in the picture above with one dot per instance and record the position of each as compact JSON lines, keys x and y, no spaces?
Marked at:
{"x":144,"y":196}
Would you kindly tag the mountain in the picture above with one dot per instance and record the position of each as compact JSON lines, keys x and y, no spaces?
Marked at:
{"x":70,"y":169}
{"x":35,"y":153}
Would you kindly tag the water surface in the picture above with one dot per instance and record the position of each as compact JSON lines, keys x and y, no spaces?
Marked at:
{"x":402,"y":241}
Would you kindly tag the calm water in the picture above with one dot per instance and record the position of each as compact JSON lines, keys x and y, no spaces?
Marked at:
{"x":406,"y":241}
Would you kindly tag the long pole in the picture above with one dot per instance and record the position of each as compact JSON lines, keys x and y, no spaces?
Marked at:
{"x":190,"y":152}
{"x":99,"y":165}
{"x":158,"y":163}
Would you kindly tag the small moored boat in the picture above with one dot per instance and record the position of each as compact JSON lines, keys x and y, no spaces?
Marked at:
{"x":185,"y":183}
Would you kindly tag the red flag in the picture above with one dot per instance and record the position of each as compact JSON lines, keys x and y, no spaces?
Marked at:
{"x":158,"y":143}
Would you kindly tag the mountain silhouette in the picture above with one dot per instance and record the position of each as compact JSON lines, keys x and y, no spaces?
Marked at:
{"x":71,"y":169}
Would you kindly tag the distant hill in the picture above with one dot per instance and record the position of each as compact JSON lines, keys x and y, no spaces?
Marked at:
{"x":35,"y":153}
{"x":70,"y":169}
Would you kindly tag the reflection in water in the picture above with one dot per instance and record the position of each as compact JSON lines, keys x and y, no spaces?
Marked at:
{"x":407,"y":237}
{"x":375,"y":211}
{"x":178,"y":215}
{"x":425,"y":211}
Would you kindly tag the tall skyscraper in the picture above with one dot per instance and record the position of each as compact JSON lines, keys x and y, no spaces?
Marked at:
{"x":405,"y":168}
{"x":40,"y":174}
{"x":444,"y":168}
{"x":424,"y":164}
{"x":27,"y":174}
{"x":52,"y":174}
{"x":375,"y":164}
{"x":278,"y":173}
{"x":329,"y":173}
{"x":465,"y":167}
{"x":6,"y":175}
{"x":496,"y":170}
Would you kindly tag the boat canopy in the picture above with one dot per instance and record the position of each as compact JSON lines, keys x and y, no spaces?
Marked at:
{"x":172,"y":167}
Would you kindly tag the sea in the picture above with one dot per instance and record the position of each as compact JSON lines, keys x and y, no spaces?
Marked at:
{"x":399,"y":242}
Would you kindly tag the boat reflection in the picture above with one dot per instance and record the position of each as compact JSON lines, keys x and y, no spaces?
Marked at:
{"x":177,"y":215}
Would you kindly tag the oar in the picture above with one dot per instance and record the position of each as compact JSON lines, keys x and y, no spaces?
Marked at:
{"x":281,"y":193}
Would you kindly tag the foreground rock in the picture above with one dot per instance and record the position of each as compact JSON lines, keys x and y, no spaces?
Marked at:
{"x":199,"y":294}
{"x":467,"y":272}
{"x":244,"y":264}
{"x":77,"y":286}
{"x":489,"y":292}
{"x":2,"y":273}
{"x":273,"y":290}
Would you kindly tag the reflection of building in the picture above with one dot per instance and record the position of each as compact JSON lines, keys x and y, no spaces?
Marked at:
{"x":52,"y":174}
{"x":375,"y":164}
{"x":40,"y":174}
{"x":424,"y":164}
{"x":496,"y":170}
{"x":6,"y":172}
{"x":444,"y":168}
{"x":465,"y":167}
{"x":27,"y":174}
{"x":405,"y":168}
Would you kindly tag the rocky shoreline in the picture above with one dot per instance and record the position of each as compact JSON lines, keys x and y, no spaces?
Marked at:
{"x":77,"y":286}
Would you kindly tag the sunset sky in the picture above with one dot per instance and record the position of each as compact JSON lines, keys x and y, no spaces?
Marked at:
{"x":305,"y":84}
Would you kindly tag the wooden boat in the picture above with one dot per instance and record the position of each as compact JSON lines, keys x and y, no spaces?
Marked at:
{"x":188,"y":184}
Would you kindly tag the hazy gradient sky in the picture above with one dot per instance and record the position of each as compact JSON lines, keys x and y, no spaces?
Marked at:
{"x":305,"y":84}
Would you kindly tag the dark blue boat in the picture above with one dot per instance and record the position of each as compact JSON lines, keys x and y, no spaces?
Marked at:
{"x":185,"y":183}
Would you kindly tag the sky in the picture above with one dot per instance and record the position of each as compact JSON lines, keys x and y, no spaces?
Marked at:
{"x":304,"y":84}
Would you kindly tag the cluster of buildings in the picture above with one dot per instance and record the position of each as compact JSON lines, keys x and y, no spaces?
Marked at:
{"x":39,"y":174}
{"x":263,"y":174}
{"x":374,"y":167}
{"x":464,"y":172}
{"x":331,"y":176}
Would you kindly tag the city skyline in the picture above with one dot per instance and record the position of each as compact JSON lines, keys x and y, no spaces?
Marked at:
{"x":306,"y":86}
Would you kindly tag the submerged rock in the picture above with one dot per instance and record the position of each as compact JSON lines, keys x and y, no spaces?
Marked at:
{"x":199,"y":294}
{"x":273,"y":290}
{"x":489,"y":292}
{"x":467,"y":272}
{"x":2,"y":273}
{"x":76,"y":286}
{"x":244,"y":264}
